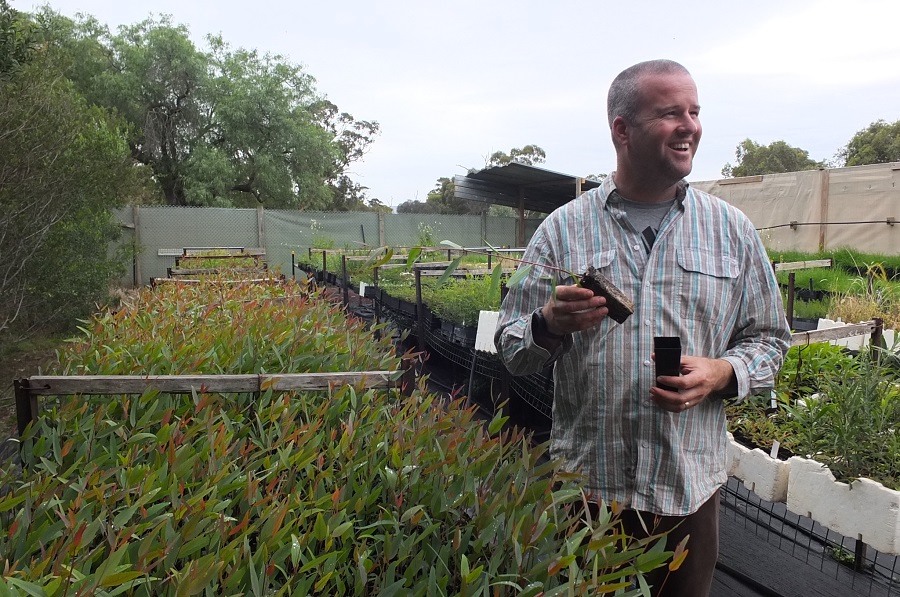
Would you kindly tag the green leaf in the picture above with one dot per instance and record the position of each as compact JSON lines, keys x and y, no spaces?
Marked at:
{"x":378,"y":257}
{"x":413,"y":256}
{"x":118,"y":578}
{"x":473,"y":575}
{"x":30,"y":588}
{"x":341,"y":529}
{"x":521,"y":272}
{"x":451,"y":244}
{"x":393,"y":589}
{"x":320,"y":529}
{"x":496,"y":280}
{"x":448,"y":272}
{"x":490,"y":246}
{"x":296,"y":549}
{"x":532,"y":590}
{"x":497,"y":423}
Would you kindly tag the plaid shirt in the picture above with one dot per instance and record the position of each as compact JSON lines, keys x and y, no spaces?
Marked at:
{"x":707,"y":279}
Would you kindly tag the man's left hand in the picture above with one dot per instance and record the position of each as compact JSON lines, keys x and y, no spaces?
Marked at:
{"x":700,"y":378}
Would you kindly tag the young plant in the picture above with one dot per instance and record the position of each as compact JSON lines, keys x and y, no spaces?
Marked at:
{"x":344,"y":492}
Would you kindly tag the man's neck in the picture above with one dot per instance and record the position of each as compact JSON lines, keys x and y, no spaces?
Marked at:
{"x":642,"y":191}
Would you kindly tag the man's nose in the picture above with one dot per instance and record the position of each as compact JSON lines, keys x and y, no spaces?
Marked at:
{"x":689,"y":124}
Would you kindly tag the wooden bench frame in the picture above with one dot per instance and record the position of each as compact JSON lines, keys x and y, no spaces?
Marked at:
{"x":28,"y":390}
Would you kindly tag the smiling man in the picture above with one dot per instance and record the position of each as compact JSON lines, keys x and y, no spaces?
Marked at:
{"x":695,"y":268}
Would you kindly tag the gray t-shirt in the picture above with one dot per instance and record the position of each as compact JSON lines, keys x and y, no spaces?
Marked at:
{"x":646,"y":218}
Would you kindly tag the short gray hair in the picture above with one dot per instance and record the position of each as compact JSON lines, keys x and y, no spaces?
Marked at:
{"x":623,"y":93}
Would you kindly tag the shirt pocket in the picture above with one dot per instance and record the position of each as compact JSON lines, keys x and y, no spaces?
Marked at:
{"x":709,"y":285}
{"x":578,"y":263}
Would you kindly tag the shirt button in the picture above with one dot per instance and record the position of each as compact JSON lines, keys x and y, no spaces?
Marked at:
{"x":636,"y":247}
{"x":645,"y":445}
{"x":646,"y":403}
{"x":647,"y":322}
{"x":646,"y":363}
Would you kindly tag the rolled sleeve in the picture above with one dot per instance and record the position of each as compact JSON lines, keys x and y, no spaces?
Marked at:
{"x":757,"y":349}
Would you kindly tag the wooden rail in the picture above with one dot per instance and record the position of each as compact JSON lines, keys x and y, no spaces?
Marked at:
{"x":270,"y":280}
{"x":796,"y":265}
{"x":28,"y":390}
{"x":874,"y":328}
{"x":791,"y":267}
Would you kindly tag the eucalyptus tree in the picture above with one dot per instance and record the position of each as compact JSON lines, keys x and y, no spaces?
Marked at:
{"x":218,"y":126}
{"x":774,"y":158}
{"x":63,"y":165}
{"x":879,"y":143}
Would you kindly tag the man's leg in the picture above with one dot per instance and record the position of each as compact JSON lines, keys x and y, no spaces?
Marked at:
{"x":694,"y":577}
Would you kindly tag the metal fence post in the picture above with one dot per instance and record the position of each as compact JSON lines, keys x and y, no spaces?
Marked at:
{"x":346,"y":282}
{"x":260,"y":227}
{"x":136,"y":216}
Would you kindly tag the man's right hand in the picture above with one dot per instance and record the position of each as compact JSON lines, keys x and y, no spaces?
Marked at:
{"x":572,"y":309}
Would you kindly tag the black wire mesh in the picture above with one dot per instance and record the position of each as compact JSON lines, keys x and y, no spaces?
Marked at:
{"x":828,"y":553}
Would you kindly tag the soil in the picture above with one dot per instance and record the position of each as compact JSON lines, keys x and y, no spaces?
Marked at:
{"x":783,"y":453}
{"x":18,"y":362}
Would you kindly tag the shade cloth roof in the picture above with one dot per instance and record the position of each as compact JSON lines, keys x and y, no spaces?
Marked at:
{"x":543,"y":190}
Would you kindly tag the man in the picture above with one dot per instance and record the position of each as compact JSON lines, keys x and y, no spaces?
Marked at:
{"x":695,"y":268}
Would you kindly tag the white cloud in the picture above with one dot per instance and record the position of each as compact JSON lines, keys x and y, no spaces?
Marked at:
{"x":827,"y":44}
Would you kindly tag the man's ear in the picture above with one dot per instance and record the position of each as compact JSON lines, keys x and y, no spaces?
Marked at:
{"x":620,"y":131}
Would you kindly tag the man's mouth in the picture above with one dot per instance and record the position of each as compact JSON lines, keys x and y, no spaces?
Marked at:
{"x":680,"y":146}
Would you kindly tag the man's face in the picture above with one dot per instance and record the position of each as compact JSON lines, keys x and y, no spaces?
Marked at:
{"x":662,"y":141}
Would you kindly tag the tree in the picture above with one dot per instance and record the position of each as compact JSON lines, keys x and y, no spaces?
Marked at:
{"x":63,"y":165}
{"x":879,"y":143}
{"x":418,"y":207}
{"x":777,"y":157}
{"x":528,"y":155}
{"x":223,"y":127}
{"x":15,"y":37}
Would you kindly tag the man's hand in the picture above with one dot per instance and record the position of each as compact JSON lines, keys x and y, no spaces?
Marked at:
{"x":573,"y":309}
{"x":700,"y":378}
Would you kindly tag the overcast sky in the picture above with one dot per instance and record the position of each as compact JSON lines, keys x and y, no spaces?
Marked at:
{"x":451,"y":82}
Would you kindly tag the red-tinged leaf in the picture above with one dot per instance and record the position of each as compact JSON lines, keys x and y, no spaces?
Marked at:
{"x":336,"y":496}
{"x":205,"y":399}
{"x":271,"y":486}
{"x":76,"y":538}
{"x":241,"y":526}
{"x":67,"y":447}
{"x":681,"y":553}
{"x":554,"y":568}
{"x":615,"y":507}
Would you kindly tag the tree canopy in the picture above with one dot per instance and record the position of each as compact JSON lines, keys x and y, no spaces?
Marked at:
{"x":879,"y":143}
{"x":528,"y":155}
{"x":63,"y":165}
{"x":777,"y":157}
{"x":217,"y":126}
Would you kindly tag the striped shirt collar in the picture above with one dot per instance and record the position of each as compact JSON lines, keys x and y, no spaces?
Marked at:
{"x":608,"y":187}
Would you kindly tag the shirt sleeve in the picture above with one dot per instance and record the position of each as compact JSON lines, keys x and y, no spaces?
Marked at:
{"x":761,"y":337}
{"x":514,"y":341}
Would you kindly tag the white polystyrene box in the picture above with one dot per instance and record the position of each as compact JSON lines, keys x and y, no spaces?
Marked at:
{"x":864,"y":509}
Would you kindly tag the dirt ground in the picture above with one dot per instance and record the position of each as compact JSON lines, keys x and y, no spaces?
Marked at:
{"x":17,"y":362}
